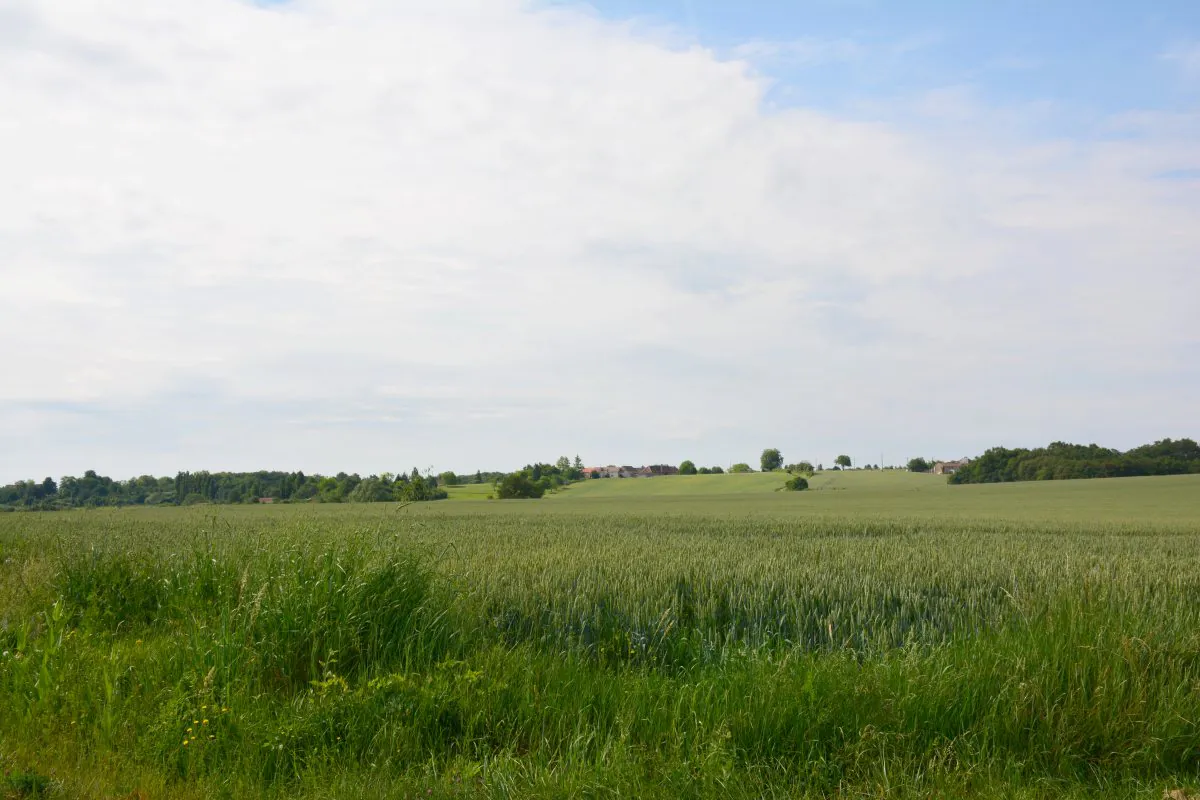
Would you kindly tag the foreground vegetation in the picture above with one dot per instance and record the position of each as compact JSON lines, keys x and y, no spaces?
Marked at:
{"x":594,"y":646}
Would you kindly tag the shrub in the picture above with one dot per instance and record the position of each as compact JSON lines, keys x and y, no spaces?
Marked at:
{"x":518,"y":486}
{"x":796,"y":484}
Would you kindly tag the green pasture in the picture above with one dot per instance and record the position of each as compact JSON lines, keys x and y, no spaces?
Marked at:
{"x":884,"y":494}
{"x":880,"y":635}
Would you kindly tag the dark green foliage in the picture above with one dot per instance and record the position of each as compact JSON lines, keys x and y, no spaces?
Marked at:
{"x":843,"y":461}
{"x":796,"y":484}
{"x":416,"y":488}
{"x":26,"y":784}
{"x":1060,"y":461}
{"x":801,"y":468}
{"x":197,"y":488}
{"x":536,"y":479}
{"x":741,"y":468}
{"x":687,"y":468}
{"x":771,"y":459}
{"x":519,"y":485}
{"x":919,"y":465}
{"x":717,"y":470}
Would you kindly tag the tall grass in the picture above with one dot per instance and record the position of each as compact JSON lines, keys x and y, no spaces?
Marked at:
{"x":520,"y":654}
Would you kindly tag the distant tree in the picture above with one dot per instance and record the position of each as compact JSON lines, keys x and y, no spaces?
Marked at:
{"x":687,"y":468}
{"x":796,"y":484}
{"x":820,"y":467}
{"x":740,"y":468}
{"x":372,"y":490}
{"x":418,"y":489}
{"x":448,"y":479}
{"x":563,"y":463}
{"x":704,"y":471}
{"x":518,"y":485}
{"x":578,"y":462}
{"x":771,"y":459}
{"x":843,"y":462}
{"x":918,"y":465}
{"x":801,"y":468}
{"x":717,"y":470}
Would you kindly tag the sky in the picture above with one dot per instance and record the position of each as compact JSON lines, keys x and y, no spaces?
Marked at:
{"x":368,"y":235}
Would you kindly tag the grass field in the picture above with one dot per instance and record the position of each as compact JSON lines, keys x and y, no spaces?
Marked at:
{"x":880,"y":635}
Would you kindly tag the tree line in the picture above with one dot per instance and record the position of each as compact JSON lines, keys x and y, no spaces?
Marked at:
{"x":1061,"y":461}
{"x":191,"y":488}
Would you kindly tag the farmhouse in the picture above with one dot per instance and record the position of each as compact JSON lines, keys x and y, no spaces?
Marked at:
{"x":949,"y":467}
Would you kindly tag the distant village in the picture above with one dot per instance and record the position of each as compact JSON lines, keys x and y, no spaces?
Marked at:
{"x":613,"y":471}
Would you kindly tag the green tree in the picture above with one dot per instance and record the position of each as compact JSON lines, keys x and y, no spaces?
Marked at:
{"x":717,"y":470}
{"x":796,"y":484}
{"x":740,"y":468}
{"x":518,"y":485}
{"x":372,"y":490}
{"x":563,"y":463}
{"x":687,"y":468}
{"x":918,"y":465}
{"x":771,"y":459}
{"x":843,"y":462}
{"x":447,"y":479}
{"x":704,"y":471}
{"x":578,"y":462}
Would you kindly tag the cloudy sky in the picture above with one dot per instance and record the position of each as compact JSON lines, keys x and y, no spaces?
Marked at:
{"x":365,"y":235}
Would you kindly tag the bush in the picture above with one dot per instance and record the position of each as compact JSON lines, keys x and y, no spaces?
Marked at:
{"x":518,"y":486}
{"x":740,"y":468}
{"x":796,"y":484}
{"x":687,"y":468}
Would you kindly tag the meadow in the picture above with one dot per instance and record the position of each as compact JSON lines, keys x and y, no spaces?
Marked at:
{"x":882,"y":634}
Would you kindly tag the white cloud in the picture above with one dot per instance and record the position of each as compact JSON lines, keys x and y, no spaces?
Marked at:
{"x":365,"y":234}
